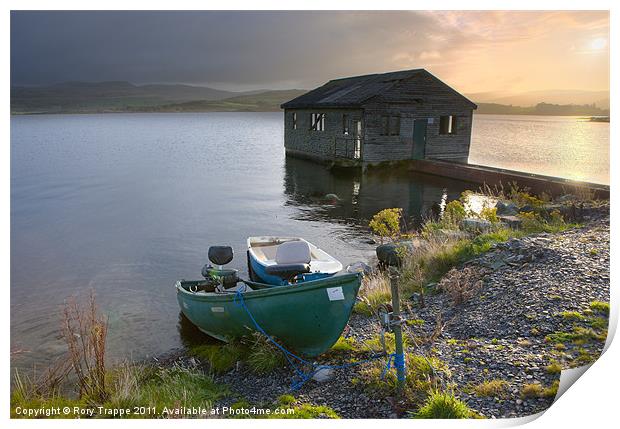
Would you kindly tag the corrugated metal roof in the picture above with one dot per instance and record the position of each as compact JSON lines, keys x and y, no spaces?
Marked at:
{"x":352,"y":91}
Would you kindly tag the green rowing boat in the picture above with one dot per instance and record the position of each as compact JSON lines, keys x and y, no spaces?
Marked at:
{"x":308,"y":317}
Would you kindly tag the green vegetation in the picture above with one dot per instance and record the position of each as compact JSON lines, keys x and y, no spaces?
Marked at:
{"x":600,"y":307}
{"x":264,"y":356}
{"x":386,"y":223}
{"x":444,"y":405}
{"x":495,"y":388}
{"x":375,"y":292}
{"x":344,"y":346}
{"x":536,"y":390}
{"x":162,"y":391}
{"x":436,"y":252}
{"x":572,"y":315}
{"x":306,"y":411}
{"x":260,"y":354}
{"x":578,"y":336}
{"x":554,"y":367}
{"x":490,"y":214}
{"x":221,"y":358}
{"x":425,"y":375}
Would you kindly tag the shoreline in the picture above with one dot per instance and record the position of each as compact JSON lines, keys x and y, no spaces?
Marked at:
{"x":491,"y":353}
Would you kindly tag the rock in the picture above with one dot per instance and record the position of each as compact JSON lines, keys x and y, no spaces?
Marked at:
{"x":511,"y":221}
{"x":526,"y":209}
{"x":388,"y":254}
{"x":506,"y":208}
{"x":323,"y":375}
{"x":476,"y":225}
{"x":359,"y":267}
{"x":391,"y":253}
{"x":567,"y":197}
{"x":332,"y":198}
{"x":450,"y":234}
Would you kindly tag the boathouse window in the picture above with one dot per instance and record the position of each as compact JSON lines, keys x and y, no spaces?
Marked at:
{"x":394,"y":125}
{"x":447,"y":125}
{"x":390,"y":125}
{"x":317,"y":121}
{"x":294,"y":120}
{"x":345,"y":124}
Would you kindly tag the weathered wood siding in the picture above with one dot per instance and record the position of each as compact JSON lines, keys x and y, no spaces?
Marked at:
{"x":315,"y":144}
{"x":419,"y":97}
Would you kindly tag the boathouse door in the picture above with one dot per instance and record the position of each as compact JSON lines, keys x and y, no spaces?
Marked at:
{"x":419,"y":139}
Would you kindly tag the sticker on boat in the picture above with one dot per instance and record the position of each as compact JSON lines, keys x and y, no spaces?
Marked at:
{"x":217,"y":309}
{"x":335,"y":293}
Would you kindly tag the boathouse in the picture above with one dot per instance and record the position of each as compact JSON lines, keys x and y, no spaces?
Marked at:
{"x":371,"y":119}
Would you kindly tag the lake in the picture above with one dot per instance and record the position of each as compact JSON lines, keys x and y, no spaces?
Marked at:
{"x":126,"y":204}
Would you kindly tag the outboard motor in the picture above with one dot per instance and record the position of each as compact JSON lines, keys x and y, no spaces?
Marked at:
{"x":224,"y":278}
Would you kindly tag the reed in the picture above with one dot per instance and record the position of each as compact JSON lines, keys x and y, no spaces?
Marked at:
{"x":85,"y":331}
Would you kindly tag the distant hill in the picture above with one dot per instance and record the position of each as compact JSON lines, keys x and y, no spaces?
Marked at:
{"x":84,"y":97}
{"x":531,"y":98}
{"x":543,"y":109}
{"x":120,"y":96}
{"x":268,"y":101}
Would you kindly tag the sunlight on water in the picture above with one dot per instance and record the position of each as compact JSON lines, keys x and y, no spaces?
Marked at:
{"x":561,"y":146}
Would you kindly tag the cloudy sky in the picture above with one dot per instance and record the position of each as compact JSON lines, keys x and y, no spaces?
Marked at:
{"x":473,"y":51}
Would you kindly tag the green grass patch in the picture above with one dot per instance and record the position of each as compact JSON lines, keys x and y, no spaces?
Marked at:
{"x":554,"y":367}
{"x":444,"y":405}
{"x":136,"y":385}
{"x":494,"y":388}
{"x":306,"y":411}
{"x":537,"y":390}
{"x":344,"y":346}
{"x":264,"y":357}
{"x":600,"y":307}
{"x":578,"y":336}
{"x":221,"y":357}
{"x":572,"y":315}
{"x":423,"y":376}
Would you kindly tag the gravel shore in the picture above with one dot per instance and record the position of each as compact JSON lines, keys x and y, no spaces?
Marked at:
{"x":501,"y":333}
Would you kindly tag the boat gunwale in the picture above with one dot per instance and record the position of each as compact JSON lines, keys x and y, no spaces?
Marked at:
{"x":271,"y":291}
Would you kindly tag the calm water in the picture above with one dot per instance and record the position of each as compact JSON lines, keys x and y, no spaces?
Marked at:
{"x":126,"y":204}
{"x":554,"y":145}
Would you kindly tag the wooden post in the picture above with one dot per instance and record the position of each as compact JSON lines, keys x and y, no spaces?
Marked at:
{"x":399,"y":358}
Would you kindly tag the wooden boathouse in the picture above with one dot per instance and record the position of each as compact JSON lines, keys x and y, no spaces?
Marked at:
{"x":375,"y":118}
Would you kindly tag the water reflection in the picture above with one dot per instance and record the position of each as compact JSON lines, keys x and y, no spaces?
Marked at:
{"x":192,"y":336}
{"x":351,"y":197}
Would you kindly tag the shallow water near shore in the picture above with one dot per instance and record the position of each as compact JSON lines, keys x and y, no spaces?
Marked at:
{"x":127,"y":204}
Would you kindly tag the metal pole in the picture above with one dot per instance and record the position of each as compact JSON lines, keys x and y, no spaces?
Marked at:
{"x":399,"y":357}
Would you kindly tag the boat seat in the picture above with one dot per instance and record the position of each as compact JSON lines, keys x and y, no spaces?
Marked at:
{"x":287,"y":271}
{"x":293,"y":252}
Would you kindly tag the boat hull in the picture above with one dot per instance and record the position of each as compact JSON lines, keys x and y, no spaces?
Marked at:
{"x":307,"y":317}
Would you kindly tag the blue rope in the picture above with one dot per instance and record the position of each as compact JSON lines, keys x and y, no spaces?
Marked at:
{"x":303,"y":377}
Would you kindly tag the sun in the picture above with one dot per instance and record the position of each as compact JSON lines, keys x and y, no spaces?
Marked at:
{"x":598,"y":44}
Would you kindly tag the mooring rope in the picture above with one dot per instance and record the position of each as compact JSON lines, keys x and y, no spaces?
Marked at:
{"x":303,"y":377}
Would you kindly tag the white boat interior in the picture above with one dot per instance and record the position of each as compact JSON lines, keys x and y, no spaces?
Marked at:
{"x":292,"y":250}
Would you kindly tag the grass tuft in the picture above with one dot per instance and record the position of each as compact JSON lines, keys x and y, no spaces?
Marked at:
{"x":494,"y":388}
{"x":600,"y":307}
{"x":443,"y":405}
{"x":264,"y":357}
{"x":536,"y":390}
{"x":554,"y":367}
{"x":221,"y":358}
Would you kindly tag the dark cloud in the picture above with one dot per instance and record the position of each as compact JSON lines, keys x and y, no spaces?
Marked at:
{"x":244,"y":48}
{"x":241,"y":49}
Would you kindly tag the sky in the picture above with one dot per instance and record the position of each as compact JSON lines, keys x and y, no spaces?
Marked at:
{"x":473,"y":51}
